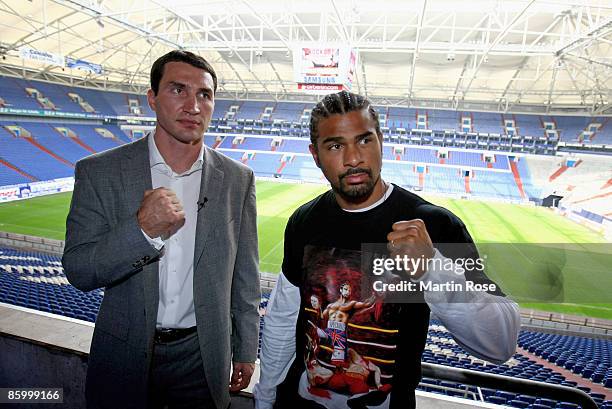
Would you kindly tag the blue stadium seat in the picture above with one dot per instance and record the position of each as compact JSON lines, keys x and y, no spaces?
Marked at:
{"x":496,"y":399}
{"x":567,"y":405}
{"x":518,"y":404}
{"x":506,"y":395}
{"x":526,"y":398}
{"x":549,"y":403}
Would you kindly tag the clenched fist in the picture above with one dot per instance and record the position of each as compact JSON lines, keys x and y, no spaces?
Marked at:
{"x":241,"y":375}
{"x":410,"y":238}
{"x":161,"y":213}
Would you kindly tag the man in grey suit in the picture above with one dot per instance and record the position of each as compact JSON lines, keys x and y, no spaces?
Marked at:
{"x":167,"y":227}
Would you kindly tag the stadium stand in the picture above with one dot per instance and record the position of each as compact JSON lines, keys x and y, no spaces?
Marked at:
{"x":483,"y":130}
{"x":9,"y":175}
{"x":571,"y":127}
{"x":589,"y":358}
{"x":490,"y":123}
{"x":93,"y":137}
{"x":51,"y":139}
{"x":37,"y":281}
{"x":288,"y":111}
{"x":15,"y":95}
{"x":22,"y":153}
{"x":251,"y":110}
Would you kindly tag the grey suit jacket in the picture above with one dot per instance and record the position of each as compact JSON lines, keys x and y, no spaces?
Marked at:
{"x":106,"y":248}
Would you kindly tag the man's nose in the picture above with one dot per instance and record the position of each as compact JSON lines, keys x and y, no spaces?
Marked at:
{"x":352,"y":155}
{"x":191,"y":104}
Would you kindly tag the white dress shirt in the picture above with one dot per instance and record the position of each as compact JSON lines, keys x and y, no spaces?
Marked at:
{"x":485,"y":325}
{"x":176,"y":308}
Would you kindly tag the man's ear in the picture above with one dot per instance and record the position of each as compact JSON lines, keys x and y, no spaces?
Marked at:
{"x":315,"y":155}
{"x":151,"y":99}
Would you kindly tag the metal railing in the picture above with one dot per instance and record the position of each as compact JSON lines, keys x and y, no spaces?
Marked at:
{"x":509,"y":384}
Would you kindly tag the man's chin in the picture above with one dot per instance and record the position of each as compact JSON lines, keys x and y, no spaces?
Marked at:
{"x":356,"y":193}
{"x":190,"y":139}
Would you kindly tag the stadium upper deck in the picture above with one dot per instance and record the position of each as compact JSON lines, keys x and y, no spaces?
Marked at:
{"x":479,"y":130}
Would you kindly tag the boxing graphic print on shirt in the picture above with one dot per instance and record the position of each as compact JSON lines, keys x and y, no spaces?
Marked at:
{"x":351,"y":333}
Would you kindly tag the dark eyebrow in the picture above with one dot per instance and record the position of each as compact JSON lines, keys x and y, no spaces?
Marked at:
{"x":342,"y":138}
{"x":181,"y":85}
{"x":332,"y":139}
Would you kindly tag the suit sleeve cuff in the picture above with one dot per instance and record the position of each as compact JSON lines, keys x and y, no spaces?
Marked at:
{"x":156,"y":242}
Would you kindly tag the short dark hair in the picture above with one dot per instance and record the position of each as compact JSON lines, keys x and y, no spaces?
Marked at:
{"x":340,"y":103}
{"x":157,"y":70}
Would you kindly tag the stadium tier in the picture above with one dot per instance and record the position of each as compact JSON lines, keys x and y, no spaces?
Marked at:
{"x":37,"y":95}
{"x":589,"y":358}
{"x":482,"y":130}
{"x":26,"y":156}
{"x":37,"y":281}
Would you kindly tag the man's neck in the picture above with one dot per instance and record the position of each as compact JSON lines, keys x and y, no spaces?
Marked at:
{"x":177,"y":155}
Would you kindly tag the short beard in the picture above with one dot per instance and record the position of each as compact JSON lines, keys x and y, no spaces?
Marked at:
{"x":357,"y":193}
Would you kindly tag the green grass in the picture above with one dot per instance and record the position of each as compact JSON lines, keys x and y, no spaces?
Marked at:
{"x":535,"y":255}
{"x":516,"y":240}
{"x":275,"y":203}
{"x":43,"y":216}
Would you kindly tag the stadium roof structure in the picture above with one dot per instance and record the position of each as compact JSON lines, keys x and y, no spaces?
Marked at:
{"x":503,"y":55}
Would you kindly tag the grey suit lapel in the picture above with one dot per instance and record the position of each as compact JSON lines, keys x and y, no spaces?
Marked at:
{"x":210,"y":189}
{"x":136,"y":175}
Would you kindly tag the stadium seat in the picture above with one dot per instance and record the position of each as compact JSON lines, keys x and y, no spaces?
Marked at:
{"x":567,"y":405}
{"x":506,"y":395}
{"x":526,"y":398}
{"x":549,"y":403}
{"x":496,"y":399}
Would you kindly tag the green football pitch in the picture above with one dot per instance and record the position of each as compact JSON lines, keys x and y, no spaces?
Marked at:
{"x":515,"y":237}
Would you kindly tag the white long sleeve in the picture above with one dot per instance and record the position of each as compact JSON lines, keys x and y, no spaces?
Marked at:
{"x":277,"y":341}
{"x":485,"y":325}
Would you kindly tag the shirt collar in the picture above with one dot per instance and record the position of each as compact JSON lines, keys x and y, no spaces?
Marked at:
{"x":156,"y":160}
